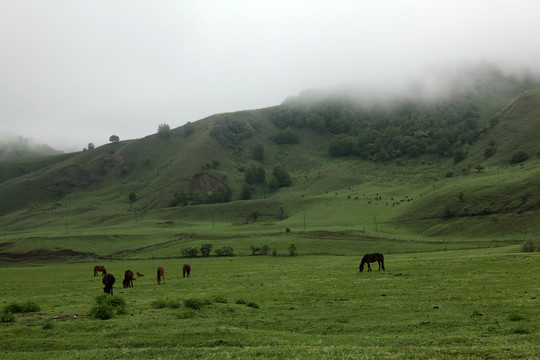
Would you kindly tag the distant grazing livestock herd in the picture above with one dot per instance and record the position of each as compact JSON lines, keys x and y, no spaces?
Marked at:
{"x":109,"y":280}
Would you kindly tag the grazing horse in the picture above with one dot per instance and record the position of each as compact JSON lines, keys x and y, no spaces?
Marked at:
{"x":98,"y":268}
{"x":128,"y":279}
{"x":108,"y":281}
{"x":369,"y":258}
{"x":160,"y":274}
{"x":186,"y":270}
{"x":139,"y":274}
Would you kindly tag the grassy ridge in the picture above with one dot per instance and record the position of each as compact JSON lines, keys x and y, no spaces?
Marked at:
{"x":457,"y":304}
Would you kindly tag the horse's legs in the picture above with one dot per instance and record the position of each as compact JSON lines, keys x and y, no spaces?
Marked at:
{"x":368,"y":267}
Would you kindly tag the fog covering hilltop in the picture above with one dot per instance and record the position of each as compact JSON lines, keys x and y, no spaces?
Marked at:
{"x":432,"y":85}
{"x":18,"y":147}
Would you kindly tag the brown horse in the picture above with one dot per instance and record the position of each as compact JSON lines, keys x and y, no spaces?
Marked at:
{"x":98,"y":268}
{"x":160,"y":274}
{"x":108,"y":281}
{"x":369,"y":258}
{"x":128,"y":279}
{"x":186,"y":270}
{"x":139,"y":274}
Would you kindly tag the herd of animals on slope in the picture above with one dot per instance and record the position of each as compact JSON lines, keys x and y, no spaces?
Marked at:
{"x":109,"y":279}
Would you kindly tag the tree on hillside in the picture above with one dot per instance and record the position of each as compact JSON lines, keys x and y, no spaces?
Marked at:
{"x":164,"y":130}
{"x":282,"y":176}
{"x":519,"y":156}
{"x":293,"y":250}
{"x":205,"y":249}
{"x":189,"y":128}
{"x":114,"y":139}
{"x":231,"y":132}
{"x":247,"y":189}
{"x":91,"y":146}
{"x":258,"y":152}
{"x":287,"y":136}
{"x":459,"y":155}
{"x":255,"y":174}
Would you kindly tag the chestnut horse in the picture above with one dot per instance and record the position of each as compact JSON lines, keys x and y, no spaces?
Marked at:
{"x":369,"y":258}
{"x":108,"y":281}
{"x":186,"y":270}
{"x":128,"y":279}
{"x":98,"y":268}
{"x":160,"y":274}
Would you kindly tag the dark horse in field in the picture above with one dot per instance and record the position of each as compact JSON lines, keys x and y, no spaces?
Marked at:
{"x":98,"y":268}
{"x":128,"y":279}
{"x":186,"y":270}
{"x":369,"y":258}
{"x":160,"y":274}
{"x":108,"y":281}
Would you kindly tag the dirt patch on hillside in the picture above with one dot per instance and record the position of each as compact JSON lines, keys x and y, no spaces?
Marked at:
{"x":73,"y":175}
{"x":205,"y":182}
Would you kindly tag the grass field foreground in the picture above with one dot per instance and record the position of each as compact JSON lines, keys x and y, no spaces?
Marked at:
{"x":471,"y":304}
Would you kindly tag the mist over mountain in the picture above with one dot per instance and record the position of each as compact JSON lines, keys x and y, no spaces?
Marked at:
{"x":433,"y":84}
{"x":18,"y":147}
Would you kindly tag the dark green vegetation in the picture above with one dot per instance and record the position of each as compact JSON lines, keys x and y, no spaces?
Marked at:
{"x":441,"y":187}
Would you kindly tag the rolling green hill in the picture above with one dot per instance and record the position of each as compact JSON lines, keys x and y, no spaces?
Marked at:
{"x":411,"y":170}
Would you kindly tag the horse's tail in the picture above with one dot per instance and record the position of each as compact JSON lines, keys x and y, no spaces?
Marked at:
{"x":382,"y":262}
{"x":362,"y":265}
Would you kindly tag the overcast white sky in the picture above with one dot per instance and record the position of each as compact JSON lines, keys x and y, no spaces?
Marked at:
{"x":74,"y":72}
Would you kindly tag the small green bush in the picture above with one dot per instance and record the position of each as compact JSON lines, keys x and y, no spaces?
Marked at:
{"x":240,"y":301}
{"x":13,"y":308}
{"x":196,"y":303}
{"x":102,"y":299}
{"x":253,"y":304}
{"x":220,"y":299}
{"x":107,"y":306}
{"x":516,"y":317}
{"x":116,"y":301}
{"x":26,"y":307}
{"x":102,"y":311}
{"x":7,"y":317}
{"x":187,"y":314}
{"x":47,"y":324}
{"x":160,"y":304}
{"x":29,"y":307}
{"x":190,"y":251}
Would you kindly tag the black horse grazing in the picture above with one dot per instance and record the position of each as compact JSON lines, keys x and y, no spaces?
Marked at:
{"x":128,"y":279}
{"x":108,"y":281}
{"x":160,"y":274}
{"x":186,"y":270}
{"x":369,"y":258}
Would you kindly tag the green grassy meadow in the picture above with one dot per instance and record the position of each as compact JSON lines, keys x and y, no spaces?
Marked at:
{"x":471,"y":304}
{"x":457,"y":284}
